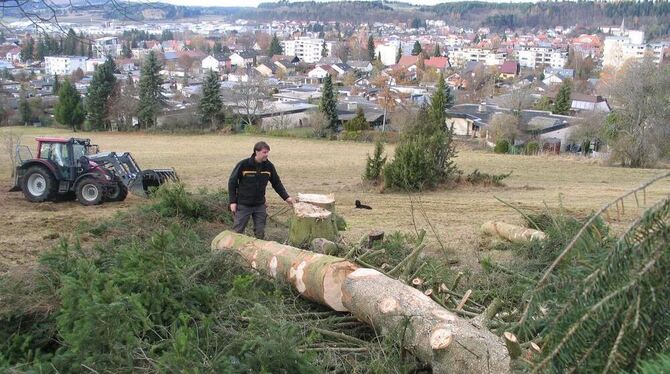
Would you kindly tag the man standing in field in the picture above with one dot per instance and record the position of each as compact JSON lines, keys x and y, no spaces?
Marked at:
{"x":246,"y":189}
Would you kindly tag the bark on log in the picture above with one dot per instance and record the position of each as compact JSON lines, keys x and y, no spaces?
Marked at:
{"x":311,"y":222}
{"x":512,"y":233}
{"x":433,"y":334}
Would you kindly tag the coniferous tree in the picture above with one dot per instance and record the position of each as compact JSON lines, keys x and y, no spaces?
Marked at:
{"x":442,"y":100}
{"x":69,"y":110}
{"x":126,"y":51}
{"x":70,"y":43}
{"x":56,"y":85}
{"x":40,"y":50}
{"x":399,"y":55}
{"x":275,"y":46}
{"x":90,"y":49}
{"x":98,"y":94}
{"x":27,"y":49}
{"x":358,"y":123}
{"x":152,"y":98}
{"x":416,"y":49}
{"x":328,"y":103}
{"x":324,"y":49}
{"x":563,"y":102}
{"x":210,"y":103}
{"x":82,"y":45}
{"x":24,"y":108}
{"x":437,"y":51}
{"x":371,"y":48}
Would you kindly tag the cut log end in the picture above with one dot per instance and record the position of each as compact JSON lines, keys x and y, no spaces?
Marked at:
{"x":513,"y":346}
{"x":417,"y":282}
{"x":440,"y":338}
{"x":364,"y":272}
{"x":307,"y":210}
{"x":316,"y":198}
{"x":388,"y":305}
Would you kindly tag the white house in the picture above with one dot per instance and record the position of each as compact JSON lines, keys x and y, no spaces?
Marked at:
{"x":91,"y":64}
{"x":552,"y":79}
{"x":64,"y":65}
{"x":388,"y":53}
{"x":243,"y":58}
{"x":361,"y":65}
{"x":210,"y":63}
{"x":319,"y":72}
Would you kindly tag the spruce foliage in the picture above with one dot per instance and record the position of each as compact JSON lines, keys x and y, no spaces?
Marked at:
{"x":152,"y":98}
{"x":275,"y":47}
{"x":416,"y":49}
{"x":424,"y":157}
{"x":328,"y":103}
{"x":56,"y":85}
{"x":69,"y":110}
{"x":211,"y":103}
{"x":563,"y":102}
{"x":24,"y":109}
{"x":375,"y":164}
{"x":98,"y":95}
{"x":358,"y":123}
{"x":437,"y":51}
{"x":399,"y":55}
{"x":371,"y":48}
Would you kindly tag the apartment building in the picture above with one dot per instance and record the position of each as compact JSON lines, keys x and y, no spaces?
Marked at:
{"x":306,"y":49}
{"x":536,"y":56}
{"x":619,"y":49}
{"x":107,"y":46}
{"x":459,"y":56}
{"x":64,"y":65}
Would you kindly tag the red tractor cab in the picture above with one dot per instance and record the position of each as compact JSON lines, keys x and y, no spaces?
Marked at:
{"x":64,"y":167}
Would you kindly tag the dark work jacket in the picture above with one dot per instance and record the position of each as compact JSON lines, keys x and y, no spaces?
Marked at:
{"x":249,"y":179}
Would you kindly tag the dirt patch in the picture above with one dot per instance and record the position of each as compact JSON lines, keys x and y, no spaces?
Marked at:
{"x":28,"y":229}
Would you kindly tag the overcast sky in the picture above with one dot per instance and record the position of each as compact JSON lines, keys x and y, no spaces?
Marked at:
{"x":256,"y":2}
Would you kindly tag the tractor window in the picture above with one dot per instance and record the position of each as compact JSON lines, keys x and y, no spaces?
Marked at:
{"x":59,"y":154}
{"x":78,"y":150}
{"x":45,"y":151}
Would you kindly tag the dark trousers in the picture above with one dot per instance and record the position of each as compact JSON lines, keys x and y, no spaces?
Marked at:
{"x":259,"y":215}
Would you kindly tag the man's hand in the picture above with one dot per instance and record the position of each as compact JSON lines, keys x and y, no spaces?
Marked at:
{"x":290,"y":201}
{"x":233,"y":208}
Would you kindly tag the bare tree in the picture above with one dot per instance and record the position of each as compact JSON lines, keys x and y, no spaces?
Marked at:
{"x":248,"y":99}
{"x":588,"y":131}
{"x":638,"y":130}
{"x":8,"y":141}
{"x":517,"y":100}
{"x":504,"y":126}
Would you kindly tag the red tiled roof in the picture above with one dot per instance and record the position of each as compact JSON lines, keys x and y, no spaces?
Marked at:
{"x":408,"y":60}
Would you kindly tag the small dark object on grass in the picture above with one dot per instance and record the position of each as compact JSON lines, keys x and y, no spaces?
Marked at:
{"x":362,"y":206}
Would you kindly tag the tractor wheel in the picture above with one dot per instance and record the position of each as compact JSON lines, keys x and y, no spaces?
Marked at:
{"x":117,"y":193}
{"x":89,"y":192}
{"x":38,"y":184}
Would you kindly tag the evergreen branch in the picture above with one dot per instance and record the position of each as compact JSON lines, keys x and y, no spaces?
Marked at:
{"x":572,"y":243}
{"x":615,"y":348}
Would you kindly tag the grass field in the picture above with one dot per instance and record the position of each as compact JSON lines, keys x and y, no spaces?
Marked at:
{"x":314,"y":166}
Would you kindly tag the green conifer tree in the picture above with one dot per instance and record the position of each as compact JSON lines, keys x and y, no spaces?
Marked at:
{"x":563,"y":102}
{"x":97,"y":96}
{"x":56,"y":86}
{"x":275,"y":47}
{"x":69,"y":110}
{"x":399,"y":55}
{"x":437,"y":52}
{"x":416,"y":49}
{"x":152,"y":98}
{"x":371,"y":48}
{"x":211,"y":103}
{"x":24,"y":109}
{"x":328,"y":103}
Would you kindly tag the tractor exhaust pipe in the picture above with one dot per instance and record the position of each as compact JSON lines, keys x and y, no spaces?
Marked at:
{"x":148,"y":180}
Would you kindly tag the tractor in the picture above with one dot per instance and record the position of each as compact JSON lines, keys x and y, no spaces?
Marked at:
{"x":74,"y":168}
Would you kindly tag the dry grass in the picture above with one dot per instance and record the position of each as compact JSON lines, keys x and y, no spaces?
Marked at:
{"x":312,"y":166}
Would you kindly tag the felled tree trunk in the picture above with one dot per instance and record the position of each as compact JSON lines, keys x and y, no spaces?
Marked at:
{"x":311,"y":222}
{"x":433,"y":334}
{"x":512,"y":233}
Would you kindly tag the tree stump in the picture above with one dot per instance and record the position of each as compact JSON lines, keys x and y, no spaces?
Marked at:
{"x":326,"y":202}
{"x":310,"y":222}
{"x":374,"y":236}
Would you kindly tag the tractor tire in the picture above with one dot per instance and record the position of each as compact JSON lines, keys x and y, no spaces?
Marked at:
{"x":117,"y":193}
{"x":89,"y":192}
{"x":38,"y":184}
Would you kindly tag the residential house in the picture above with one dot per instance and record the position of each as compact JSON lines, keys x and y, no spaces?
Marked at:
{"x":285,"y":65}
{"x":243,"y":58}
{"x":552,"y":79}
{"x":319,"y":72}
{"x":456,"y":81}
{"x":340,"y":68}
{"x":561,"y":72}
{"x":407,"y":61}
{"x":290,"y":59}
{"x":243,"y":74}
{"x":267,"y":69}
{"x":441,"y":64}
{"x":361,"y":65}
{"x":509,"y":69}
{"x":590,"y":103}
{"x":329,"y":60}
{"x":64,"y":65}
